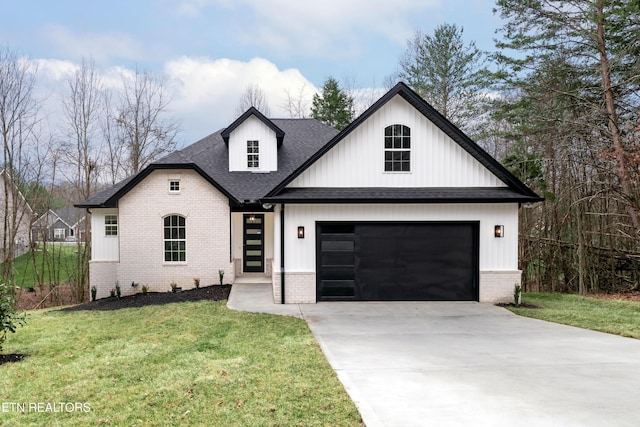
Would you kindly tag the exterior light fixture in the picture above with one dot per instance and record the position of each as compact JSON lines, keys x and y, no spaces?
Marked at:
{"x":499,"y":231}
{"x":301,"y":232}
{"x":252,"y":219}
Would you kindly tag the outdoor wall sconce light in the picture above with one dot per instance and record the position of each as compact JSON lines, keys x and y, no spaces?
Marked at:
{"x":301,"y":232}
{"x":499,"y":231}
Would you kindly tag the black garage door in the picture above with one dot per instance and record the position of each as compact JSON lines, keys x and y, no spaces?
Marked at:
{"x":408,"y":261}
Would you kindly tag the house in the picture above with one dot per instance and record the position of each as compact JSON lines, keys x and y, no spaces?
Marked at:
{"x":61,"y":225}
{"x":14,"y":217}
{"x":400,"y":205}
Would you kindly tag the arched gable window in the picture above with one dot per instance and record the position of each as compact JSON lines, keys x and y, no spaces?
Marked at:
{"x":397,"y":148}
{"x":175,"y":239}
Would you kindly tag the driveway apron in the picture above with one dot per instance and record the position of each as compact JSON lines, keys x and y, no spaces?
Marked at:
{"x":473,"y":364}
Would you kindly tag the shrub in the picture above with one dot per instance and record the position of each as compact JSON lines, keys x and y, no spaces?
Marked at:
{"x":10,"y":319}
{"x":221,"y":275}
{"x":196,"y":282}
{"x":118,"y":289}
{"x":94,"y":292}
{"x":145,"y":289}
{"x":174,"y":287}
{"x":517,"y":293}
{"x":112,"y":293}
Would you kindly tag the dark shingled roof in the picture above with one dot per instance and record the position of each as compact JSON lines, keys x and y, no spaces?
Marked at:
{"x":401,"y":195}
{"x":210,"y":158}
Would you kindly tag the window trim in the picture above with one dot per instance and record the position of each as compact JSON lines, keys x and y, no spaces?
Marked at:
{"x":253,"y":154}
{"x":171,"y":228}
{"x":397,"y":146}
{"x":111,"y":227}
{"x":173,"y":190}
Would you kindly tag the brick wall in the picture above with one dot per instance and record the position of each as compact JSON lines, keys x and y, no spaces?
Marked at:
{"x":141,"y":236}
{"x":498,"y":286}
{"x":300,"y":288}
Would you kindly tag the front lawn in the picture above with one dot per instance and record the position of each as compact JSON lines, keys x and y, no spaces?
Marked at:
{"x":615,"y":317}
{"x":193,"y":363}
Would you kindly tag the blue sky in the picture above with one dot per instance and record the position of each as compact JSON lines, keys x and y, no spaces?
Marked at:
{"x":210,"y":50}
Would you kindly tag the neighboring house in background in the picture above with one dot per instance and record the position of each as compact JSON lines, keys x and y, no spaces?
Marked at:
{"x":23,"y":215}
{"x":61,"y":225}
{"x":400,"y":205}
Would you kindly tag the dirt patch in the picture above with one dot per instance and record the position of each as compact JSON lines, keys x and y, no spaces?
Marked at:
{"x":45,"y":296}
{"x":212,"y":293}
{"x":619,"y":296}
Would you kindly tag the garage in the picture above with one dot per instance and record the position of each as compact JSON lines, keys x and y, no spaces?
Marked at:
{"x":397,"y":261}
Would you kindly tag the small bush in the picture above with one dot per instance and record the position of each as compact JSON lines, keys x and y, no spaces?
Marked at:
{"x":118,"y":293}
{"x":196,"y":282}
{"x":517,"y":294}
{"x":221,"y":276}
{"x":10,"y":319}
{"x":94,"y":292}
{"x":145,"y":289}
{"x":112,"y":292}
{"x":174,"y":287}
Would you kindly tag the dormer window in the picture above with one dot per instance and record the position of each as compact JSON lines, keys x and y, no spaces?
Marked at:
{"x":253,"y":154}
{"x":397,"y":148}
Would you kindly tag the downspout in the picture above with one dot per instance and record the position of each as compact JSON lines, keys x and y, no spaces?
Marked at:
{"x":282,"y":253}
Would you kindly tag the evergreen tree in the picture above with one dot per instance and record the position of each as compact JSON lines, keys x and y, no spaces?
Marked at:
{"x":334,"y":106}
{"x":448,"y":73}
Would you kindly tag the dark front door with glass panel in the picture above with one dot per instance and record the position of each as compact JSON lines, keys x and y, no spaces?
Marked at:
{"x":253,"y":239}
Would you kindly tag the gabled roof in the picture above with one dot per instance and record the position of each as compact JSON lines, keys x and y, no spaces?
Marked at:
{"x":252,"y":112}
{"x":210,"y":158}
{"x":68,"y":216}
{"x":440,"y":121}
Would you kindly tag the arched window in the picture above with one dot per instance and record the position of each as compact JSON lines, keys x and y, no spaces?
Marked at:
{"x":397,"y":148}
{"x":175,"y":239}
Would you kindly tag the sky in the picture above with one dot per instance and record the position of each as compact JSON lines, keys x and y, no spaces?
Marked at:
{"x":209,"y":51}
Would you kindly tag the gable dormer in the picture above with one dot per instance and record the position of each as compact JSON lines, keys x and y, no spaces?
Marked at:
{"x":253,"y":142}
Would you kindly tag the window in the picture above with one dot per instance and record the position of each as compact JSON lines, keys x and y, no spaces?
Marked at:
{"x":253,"y":154}
{"x":58,"y":233}
{"x":111,"y":225}
{"x":175,"y":242}
{"x":397,"y":148}
{"x":174,"y":186}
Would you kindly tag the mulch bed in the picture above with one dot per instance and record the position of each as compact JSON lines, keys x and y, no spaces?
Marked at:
{"x":212,"y":293}
{"x":618,"y":296}
{"x":522,"y":305}
{"x":10,"y":358}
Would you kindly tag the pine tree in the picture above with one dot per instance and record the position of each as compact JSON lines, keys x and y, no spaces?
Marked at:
{"x":333,"y":107}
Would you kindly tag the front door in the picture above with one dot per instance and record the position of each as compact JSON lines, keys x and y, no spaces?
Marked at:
{"x":253,"y":243}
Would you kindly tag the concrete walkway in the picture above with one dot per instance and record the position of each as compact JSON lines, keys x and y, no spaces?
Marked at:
{"x":467,"y":364}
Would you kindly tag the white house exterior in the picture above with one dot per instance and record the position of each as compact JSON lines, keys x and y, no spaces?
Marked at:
{"x":400,"y":205}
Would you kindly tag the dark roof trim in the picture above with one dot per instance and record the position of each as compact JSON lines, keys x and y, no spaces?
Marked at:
{"x":439,"y":120}
{"x":112,"y":202}
{"x":401,"y":195}
{"x":252,"y":111}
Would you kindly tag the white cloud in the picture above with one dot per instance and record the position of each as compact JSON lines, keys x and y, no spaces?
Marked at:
{"x":99,"y":47}
{"x":331,"y":28}
{"x":207,"y":91}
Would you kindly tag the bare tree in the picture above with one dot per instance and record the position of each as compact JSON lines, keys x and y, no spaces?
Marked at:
{"x":253,"y":96}
{"x":298,"y":104}
{"x":83,"y":108}
{"x":18,"y":117}
{"x":144,"y":129}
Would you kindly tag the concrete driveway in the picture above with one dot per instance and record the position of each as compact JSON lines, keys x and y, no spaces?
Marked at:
{"x":472,"y":364}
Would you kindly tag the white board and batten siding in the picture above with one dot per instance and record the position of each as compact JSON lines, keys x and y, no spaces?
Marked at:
{"x":358,"y":160}
{"x":253,"y":129}
{"x":103,"y":247}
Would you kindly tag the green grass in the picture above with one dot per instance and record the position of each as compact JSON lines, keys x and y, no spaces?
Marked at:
{"x":60,"y":266}
{"x":177,"y":364}
{"x":615,"y":317}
